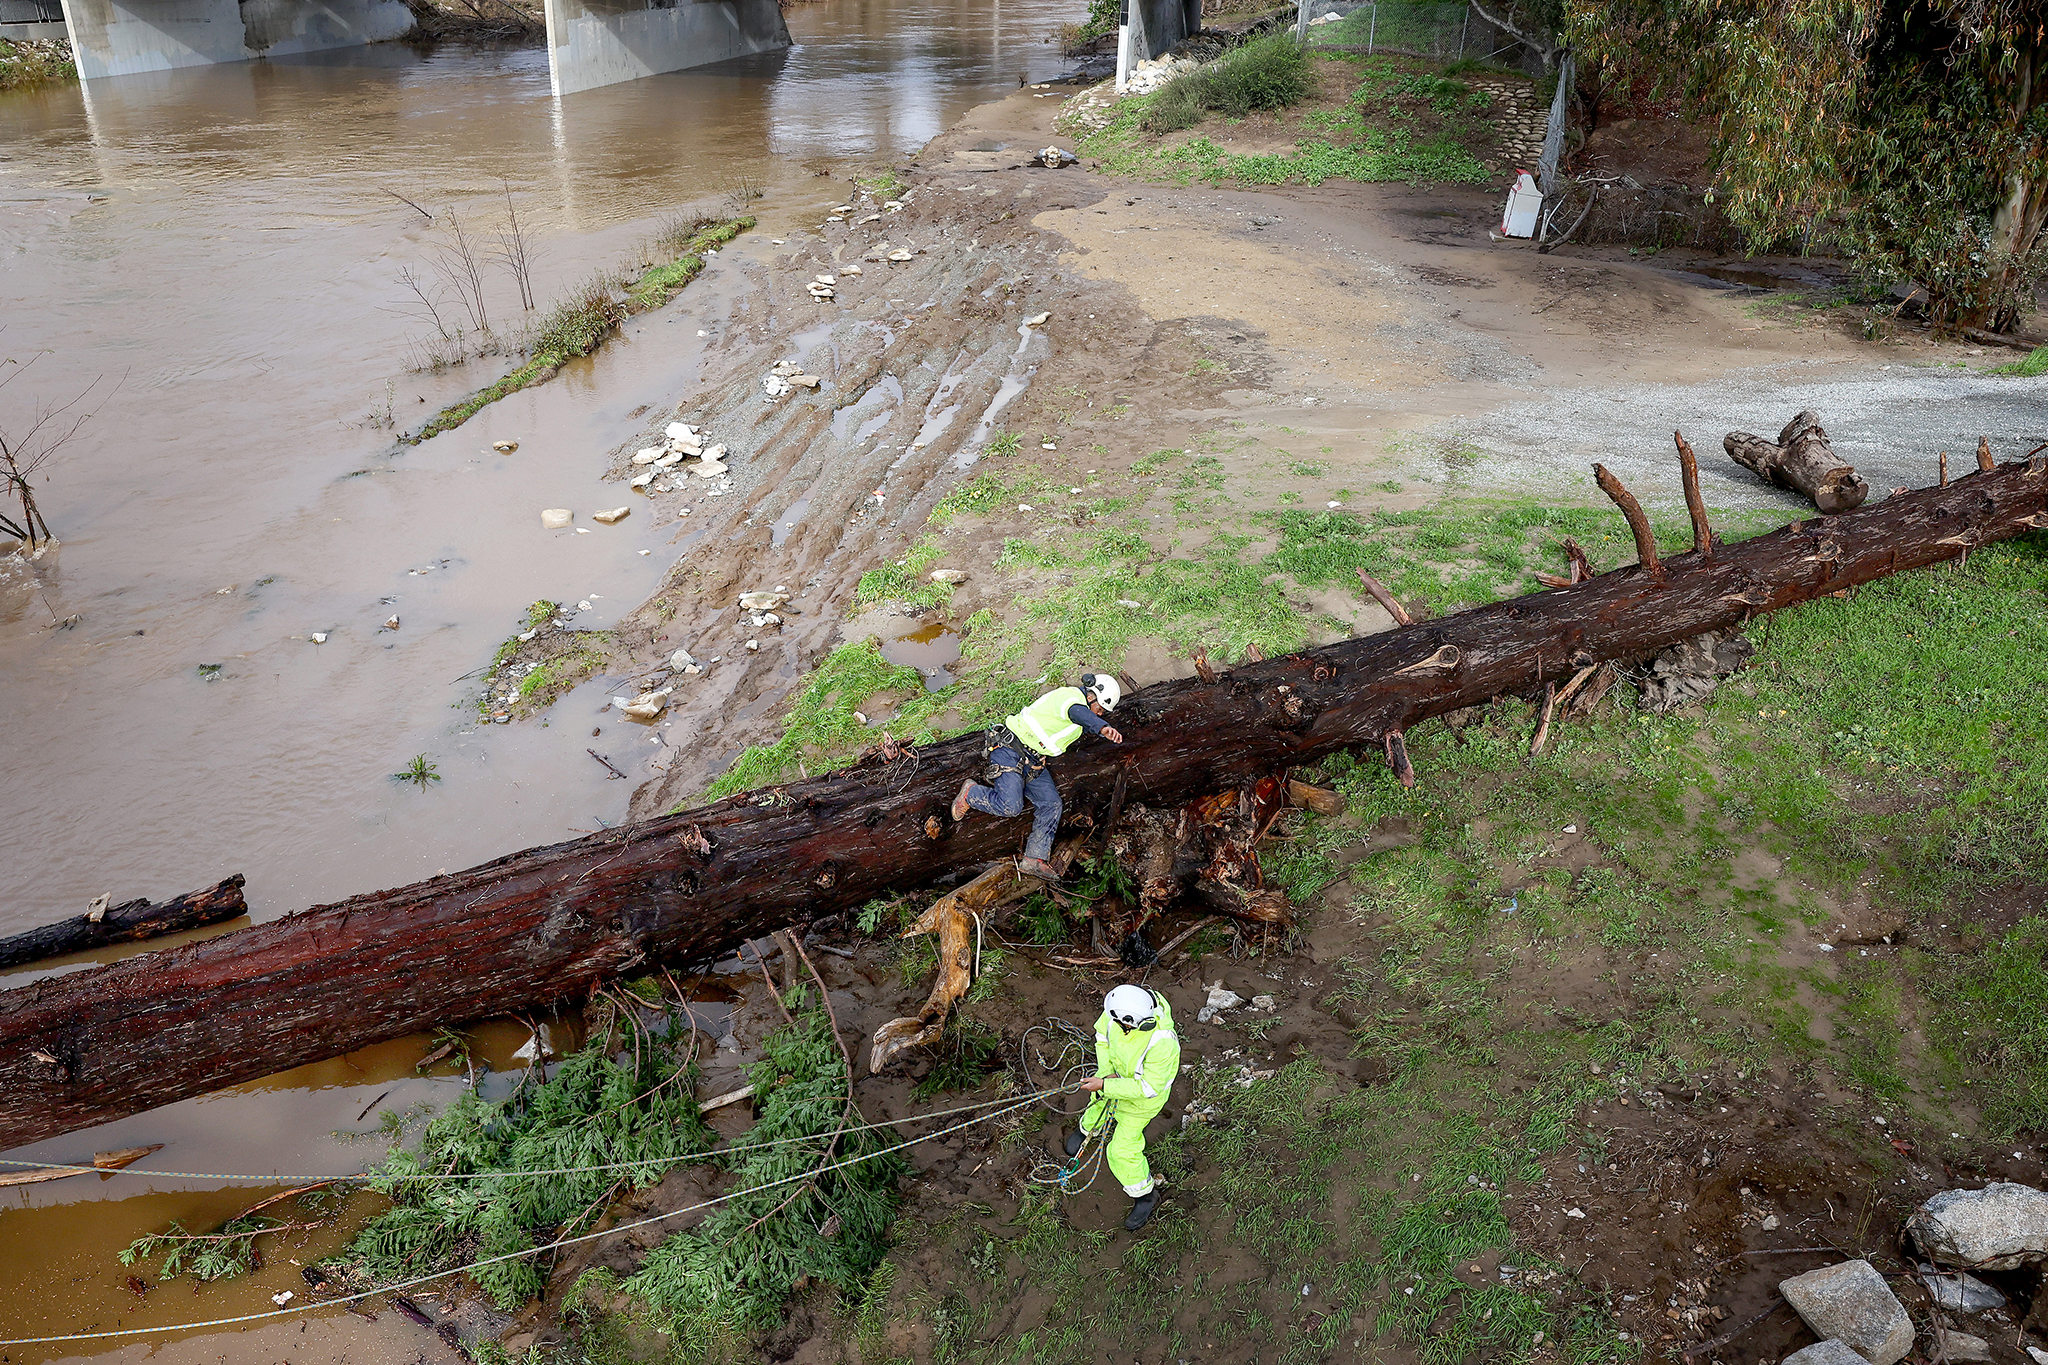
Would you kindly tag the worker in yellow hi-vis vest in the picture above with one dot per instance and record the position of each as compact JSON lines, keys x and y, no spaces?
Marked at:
{"x":1136,"y":1059}
{"x":1022,"y":746}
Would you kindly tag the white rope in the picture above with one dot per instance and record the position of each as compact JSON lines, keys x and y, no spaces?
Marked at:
{"x":502,"y":1175}
{"x":516,"y":1255}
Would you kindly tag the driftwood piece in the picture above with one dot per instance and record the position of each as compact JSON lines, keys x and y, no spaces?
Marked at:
{"x":1321,"y":800}
{"x":549,"y":923}
{"x":131,"y":922}
{"x":103,"y":1161}
{"x":1803,"y":461}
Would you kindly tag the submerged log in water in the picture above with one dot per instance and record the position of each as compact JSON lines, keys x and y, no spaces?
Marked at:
{"x":552,"y":922}
{"x":130,"y":922}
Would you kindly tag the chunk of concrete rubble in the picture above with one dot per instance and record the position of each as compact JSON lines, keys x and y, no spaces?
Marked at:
{"x":763,"y":601}
{"x":852,"y":269}
{"x":1037,"y":319}
{"x":824,"y":279}
{"x":899,"y":254}
{"x":893,"y":205}
{"x":555,"y":518}
{"x":1219,"y":1000}
{"x":805,"y":381}
{"x":649,"y":455}
{"x":612,"y":517}
{"x":504,"y":447}
{"x":949,"y":575}
{"x":1851,"y":1303}
{"x":1828,"y":1352}
{"x":2000,"y":1227}
{"x":2040,"y":1357}
{"x":753,"y":646}
{"x":709,"y":469}
{"x":391,"y":623}
{"x":642,"y":480}
{"x":1962,"y":1293}
{"x":1265,"y":1002}
{"x":679,"y":431}
{"x":774,"y":385}
{"x":1961,"y":1345}
{"x":680,"y":660}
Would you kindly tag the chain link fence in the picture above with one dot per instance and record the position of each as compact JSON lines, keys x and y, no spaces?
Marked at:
{"x":1440,"y":32}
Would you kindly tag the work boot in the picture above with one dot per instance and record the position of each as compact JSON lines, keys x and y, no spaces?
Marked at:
{"x":1039,"y":868}
{"x":1141,"y":1211}
{"x":960,"y":806}
{"x":1074,"y":1141}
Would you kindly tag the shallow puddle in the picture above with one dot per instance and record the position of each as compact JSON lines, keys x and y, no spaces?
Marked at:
{"x":930,"y":649}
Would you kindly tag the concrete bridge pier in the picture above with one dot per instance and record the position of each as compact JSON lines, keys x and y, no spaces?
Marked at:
{"x":603,"y":42}
{"x":127,"y":37}
{"x":1156,"y":25}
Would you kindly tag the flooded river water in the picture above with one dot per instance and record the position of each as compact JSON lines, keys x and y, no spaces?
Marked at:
{"x":212,"y":258}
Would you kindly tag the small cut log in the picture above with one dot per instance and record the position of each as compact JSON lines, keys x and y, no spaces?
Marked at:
{"x":130,"y":922}
{"x":1804,"y":461}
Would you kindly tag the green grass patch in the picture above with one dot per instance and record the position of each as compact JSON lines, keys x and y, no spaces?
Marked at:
{"x":905,"y":581}
{"x":1399,"y":124}
{"x":579,"y":324}
{"x":820,"y":731}
{"x":2034,"y":363}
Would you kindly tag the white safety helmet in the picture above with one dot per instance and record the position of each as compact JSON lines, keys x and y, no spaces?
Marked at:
{"x":1132,"y":1006}
{"x":1103,"y":688}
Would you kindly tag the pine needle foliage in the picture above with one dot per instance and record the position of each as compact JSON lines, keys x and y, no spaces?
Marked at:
{"x":229,"y":1251}
{"x":733,"y":1273}
{"x":599,"y":1108}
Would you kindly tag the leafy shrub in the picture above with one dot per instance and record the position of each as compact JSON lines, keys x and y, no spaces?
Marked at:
{"x":1267,"y":73}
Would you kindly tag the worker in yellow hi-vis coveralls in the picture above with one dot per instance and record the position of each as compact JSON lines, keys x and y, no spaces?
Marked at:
{"x":1136,"y":1059}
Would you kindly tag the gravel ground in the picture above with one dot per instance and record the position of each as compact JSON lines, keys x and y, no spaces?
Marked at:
{"x":1889,"y":423}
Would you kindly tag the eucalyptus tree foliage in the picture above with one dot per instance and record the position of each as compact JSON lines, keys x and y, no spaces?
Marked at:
{"x":1911,"y":134}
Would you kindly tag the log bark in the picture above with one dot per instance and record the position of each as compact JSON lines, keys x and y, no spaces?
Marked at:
{"x":1804,"y":461}
{"x":550,"y":923}
{"x":131,"y":922}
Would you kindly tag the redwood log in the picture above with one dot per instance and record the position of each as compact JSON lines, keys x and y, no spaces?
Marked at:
{"x":1803,"y":461}
{"x":550,"y":923}
{"x":130,"y":922}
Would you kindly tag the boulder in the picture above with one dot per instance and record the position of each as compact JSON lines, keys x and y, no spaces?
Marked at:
{"x":1850,"y":1302}
{"x":555,"y":518}
{"x":2000,"y":1227}
{"x":1828,"y":1352}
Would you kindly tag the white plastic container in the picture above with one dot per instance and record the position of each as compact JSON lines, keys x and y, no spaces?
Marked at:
{"x":1525,"y":201}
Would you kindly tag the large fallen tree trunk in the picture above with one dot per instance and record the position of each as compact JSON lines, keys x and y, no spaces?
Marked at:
{"x":551,"y":922}
{"x":129,"y":922}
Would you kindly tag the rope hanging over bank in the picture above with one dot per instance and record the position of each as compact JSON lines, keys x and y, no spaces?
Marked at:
{"x":1014,"y":1104}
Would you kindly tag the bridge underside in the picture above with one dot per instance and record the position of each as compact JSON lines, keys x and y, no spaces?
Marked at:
{"x":590,"y":42}
{"x":603,"y":42}
{"x":126,"y":37}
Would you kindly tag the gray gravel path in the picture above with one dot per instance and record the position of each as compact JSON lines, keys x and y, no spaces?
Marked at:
{"x":1889,"y":423}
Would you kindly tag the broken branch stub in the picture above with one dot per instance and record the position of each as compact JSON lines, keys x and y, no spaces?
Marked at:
{"x":1695,"y":505}
{"x":1638,"y":524}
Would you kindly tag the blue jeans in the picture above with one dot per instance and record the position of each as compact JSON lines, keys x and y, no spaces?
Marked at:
{"x":1019,"y":776}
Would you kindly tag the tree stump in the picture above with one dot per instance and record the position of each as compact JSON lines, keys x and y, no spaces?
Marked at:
{"x":1802,"y":461}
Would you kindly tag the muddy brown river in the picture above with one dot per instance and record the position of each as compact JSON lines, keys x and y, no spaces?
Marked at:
{"x":213,"y":259}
